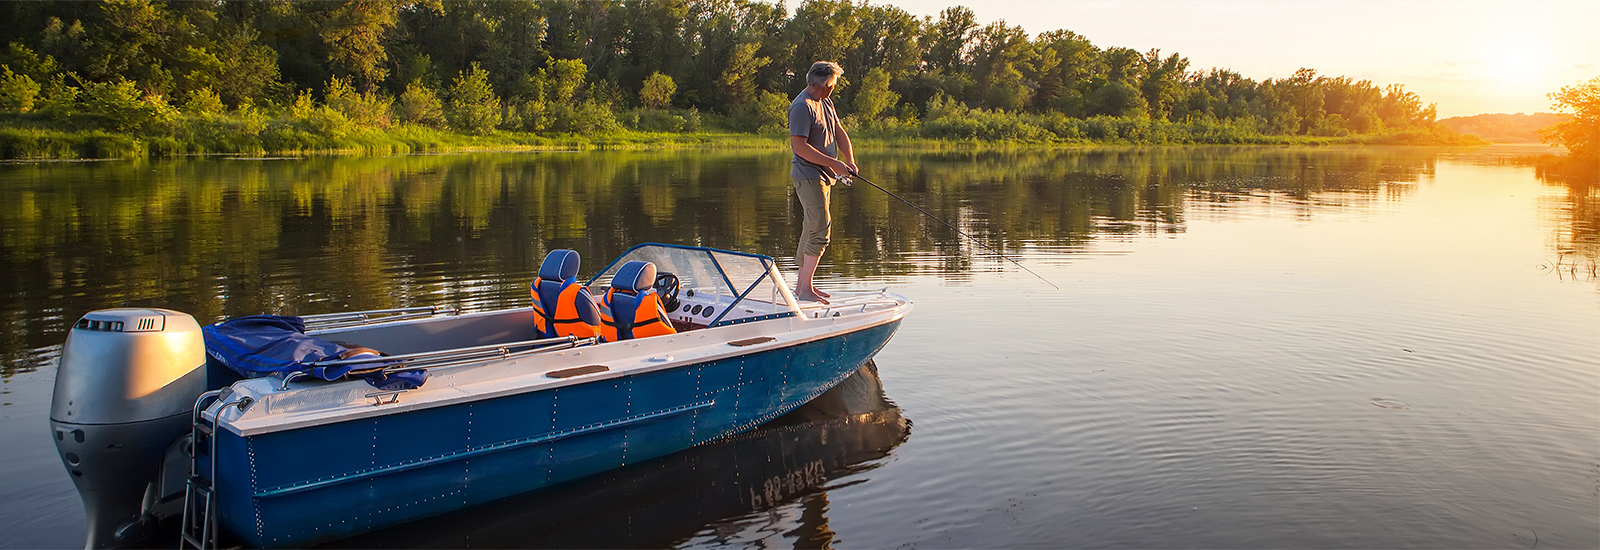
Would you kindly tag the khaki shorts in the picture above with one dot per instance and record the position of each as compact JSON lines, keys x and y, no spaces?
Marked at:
{"x":818,"y":226}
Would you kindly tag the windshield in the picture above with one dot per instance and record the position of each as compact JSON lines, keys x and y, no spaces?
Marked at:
{"x":751,"y":281}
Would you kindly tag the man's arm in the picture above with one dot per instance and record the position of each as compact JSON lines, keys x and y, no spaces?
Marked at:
{"x":846,"y":153}
{"x":803,"y":148}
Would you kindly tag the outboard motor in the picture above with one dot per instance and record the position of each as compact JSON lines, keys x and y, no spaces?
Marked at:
{"x":124,"y":394}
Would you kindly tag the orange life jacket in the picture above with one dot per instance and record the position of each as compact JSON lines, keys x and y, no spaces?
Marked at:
{"x":641,"y":315}
{"x":559,"y":317}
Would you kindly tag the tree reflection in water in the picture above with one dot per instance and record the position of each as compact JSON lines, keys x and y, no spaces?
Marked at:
{"x":219,"y":238}
{"x":769,"y":482}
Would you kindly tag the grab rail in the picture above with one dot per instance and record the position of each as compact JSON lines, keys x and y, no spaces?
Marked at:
{"x":450,"y":357}
{"x":326,"y":321}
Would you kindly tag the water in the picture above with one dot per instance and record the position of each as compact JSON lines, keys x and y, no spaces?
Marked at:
{"x":1253,"y":347}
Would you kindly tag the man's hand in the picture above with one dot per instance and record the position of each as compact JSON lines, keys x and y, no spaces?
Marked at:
{"x":850,"y":167}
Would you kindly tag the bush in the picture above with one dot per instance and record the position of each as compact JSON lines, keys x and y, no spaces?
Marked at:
{"x":982,"y":124}
{"x":364,"y":109}
{"x":203,"y":102}
{"x":120,"y":107}
{"x":17,"y":91}
{"x":473,"y":105}
{"x":658,"y":120}
{"x":587,"y":117}
{"x":529,"y":115}
{"x":656,"y":94}
{"x":767,"y":113}
{"x":420,"y":105}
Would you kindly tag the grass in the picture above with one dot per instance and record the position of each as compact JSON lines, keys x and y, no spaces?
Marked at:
{"x":37,"y":137}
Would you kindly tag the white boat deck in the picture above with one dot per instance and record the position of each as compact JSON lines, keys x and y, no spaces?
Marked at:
{"x":308,"y":402}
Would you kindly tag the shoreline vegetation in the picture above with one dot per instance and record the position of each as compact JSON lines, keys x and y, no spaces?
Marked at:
{"x":146,"y":78}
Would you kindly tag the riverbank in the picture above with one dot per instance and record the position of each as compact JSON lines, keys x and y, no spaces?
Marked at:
{"x":35,"y":138}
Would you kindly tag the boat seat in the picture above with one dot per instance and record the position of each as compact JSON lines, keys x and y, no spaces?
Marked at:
{"x":563,"y":307}
{"x":631,"y":308}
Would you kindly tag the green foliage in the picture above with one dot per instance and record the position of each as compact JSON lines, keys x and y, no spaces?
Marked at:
{"x":1581,"y":134}
{"x":21,"y":143}
{"x":874,"y":97}
{"x":121,"y":107}
{"x":354,"y":33}
{"x":664,"y":120}
{"x":203,"y":102}
{"x":562,"y":65}
{"x":587,"y":117}
{"x":657,"y":91}
{"x":17,"y":91}
{"x":768,"y":113}
{"x":738,"y":79}
{"x":369,"y":109}
{"x":1117,"y":99}
{"x":563,"y":79}
{"x":473,"y":106}
{"x":420,"y":105}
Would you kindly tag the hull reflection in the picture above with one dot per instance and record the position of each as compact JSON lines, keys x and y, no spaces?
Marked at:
{"x":667,"y":500}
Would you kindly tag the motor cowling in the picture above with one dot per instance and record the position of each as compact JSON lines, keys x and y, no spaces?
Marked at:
{"x":124,"y":394}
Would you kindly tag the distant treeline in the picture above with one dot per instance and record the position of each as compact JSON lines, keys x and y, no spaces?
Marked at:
{"x":273,"y":76}
{"x":1505,"y":128}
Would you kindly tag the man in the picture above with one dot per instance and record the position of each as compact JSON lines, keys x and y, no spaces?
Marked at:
{"x":821,"y":154}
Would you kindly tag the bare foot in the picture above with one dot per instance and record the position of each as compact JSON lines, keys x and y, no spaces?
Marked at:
{"x":819,"y":292}
{"x":807,"y":296}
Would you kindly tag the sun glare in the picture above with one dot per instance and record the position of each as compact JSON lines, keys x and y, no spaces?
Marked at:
{"x":1515,"y":58}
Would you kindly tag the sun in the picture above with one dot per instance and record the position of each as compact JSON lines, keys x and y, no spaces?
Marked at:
{"x":1516,"y":58}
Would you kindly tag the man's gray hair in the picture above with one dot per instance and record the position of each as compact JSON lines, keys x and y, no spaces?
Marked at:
{"x":821,"y":71}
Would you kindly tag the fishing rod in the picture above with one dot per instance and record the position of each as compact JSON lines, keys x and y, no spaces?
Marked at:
{"x":952,"y":227}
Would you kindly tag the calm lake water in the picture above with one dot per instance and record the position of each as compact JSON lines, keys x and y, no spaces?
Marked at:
{"x":1251,"y":347}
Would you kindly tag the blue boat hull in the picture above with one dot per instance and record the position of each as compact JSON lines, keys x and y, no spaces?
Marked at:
{"x":331,"y":481}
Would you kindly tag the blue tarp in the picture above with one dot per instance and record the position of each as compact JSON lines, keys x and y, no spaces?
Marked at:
{"x":274,"y":345}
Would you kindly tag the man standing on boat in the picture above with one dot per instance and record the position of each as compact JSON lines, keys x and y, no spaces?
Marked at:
{"x":821,"y":154}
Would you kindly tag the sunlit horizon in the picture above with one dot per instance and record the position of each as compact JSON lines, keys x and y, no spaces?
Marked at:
{"x":1468,"y":58}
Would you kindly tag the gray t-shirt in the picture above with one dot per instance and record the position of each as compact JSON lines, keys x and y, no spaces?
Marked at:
{"x":815,"y":119}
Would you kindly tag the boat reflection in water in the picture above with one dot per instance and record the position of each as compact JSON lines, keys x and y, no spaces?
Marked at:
{"x":672,"y":499}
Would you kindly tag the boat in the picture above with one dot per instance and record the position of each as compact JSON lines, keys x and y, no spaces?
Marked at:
{"x":429,"y":410}
{"x":737,"y":482}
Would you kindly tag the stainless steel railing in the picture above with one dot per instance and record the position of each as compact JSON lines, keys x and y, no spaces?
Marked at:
{"x":455,"y":357}
{"x":357,"y":318}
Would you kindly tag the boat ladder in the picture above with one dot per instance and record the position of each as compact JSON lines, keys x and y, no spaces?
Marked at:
{"x":199,"y":495}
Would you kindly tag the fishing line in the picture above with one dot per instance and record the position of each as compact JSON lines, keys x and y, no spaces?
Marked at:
{"x":952,"y":227}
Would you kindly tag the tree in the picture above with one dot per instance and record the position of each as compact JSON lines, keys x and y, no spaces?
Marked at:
{"x":1068,"y":63}
{"x":1118,"y":99}
{"x":473,"y":105}
{"x":738,"y":79}
{"x":420,"y":105}
{"x":947,"y":40}
{"x":1581,"y":134}
{"x":355,"y":39}
{"x":887,"y":39}
{"x":874,"y":96}
{"x":657,"y":91}
{"x":823,"y":30}
{"x":999,"y":54}
{"x":1163,"y":82}
{"x":562,"y":79}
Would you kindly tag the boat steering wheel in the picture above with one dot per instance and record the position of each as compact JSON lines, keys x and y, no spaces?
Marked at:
{"x":666,"y":286}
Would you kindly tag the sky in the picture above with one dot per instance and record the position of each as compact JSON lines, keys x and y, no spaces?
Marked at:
{"x":1467,"y":57}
